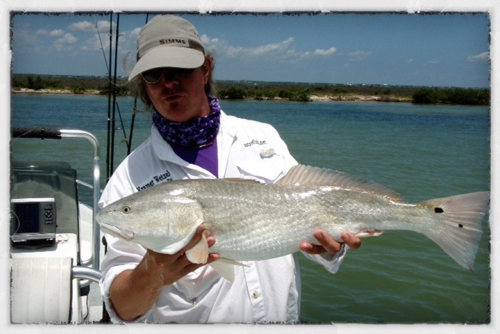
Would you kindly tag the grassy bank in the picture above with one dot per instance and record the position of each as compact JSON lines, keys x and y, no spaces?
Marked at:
{"x":235,"y":90}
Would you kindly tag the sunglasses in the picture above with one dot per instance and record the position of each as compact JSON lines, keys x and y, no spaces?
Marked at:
{"x":154,"y":75}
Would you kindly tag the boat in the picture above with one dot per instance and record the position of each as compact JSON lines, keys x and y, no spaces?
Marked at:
{"x":54,"y":238}
{"x":55,"y":242}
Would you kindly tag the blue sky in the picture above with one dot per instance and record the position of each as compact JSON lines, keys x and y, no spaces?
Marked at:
{"x":382,"y":48}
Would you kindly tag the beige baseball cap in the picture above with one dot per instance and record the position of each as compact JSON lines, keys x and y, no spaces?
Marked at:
{"x":168,"y":41}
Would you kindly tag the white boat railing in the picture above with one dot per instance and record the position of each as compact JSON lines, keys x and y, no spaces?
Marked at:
{"x":86,"y":273}
{"x":96,"y":193}
{"x":44,"y":133}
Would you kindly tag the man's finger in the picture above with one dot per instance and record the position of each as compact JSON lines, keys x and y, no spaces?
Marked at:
{"x":311,"y":249}
{"x":351,"y":240}
{"x":329,"y":244}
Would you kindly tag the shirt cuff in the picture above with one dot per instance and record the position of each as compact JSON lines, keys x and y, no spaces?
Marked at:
{"x":329,"y":261}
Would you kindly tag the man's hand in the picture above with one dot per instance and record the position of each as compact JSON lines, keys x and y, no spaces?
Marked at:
{"x":328,"y":244}
{"x":134,"y":292}
{"x":171,"y":268}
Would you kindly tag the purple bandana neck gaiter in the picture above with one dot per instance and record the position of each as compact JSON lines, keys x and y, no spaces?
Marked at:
{"x":194,"y":133}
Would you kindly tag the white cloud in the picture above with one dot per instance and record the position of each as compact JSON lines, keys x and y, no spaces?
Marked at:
{"x":56,"y":33}
{"x":103,"y":25}
{"x":283,"y":50}
{"x":262,"y":50}
{"x":85,"y":26}
{"x":41,"y":32}
{"x":213,"y":44}
{"x":433,"y":61}
{"x":294,"y":54}
{"x":410,"y":60}
{"x":328,"y":52}
{"x":68,"y":38}
{"x":135,"y":32}
{"x":93,"y":43}
{"x":485,"y":56}
{"x":359,"y":55}
{"x":127,"y":42}
{"x":62,"y":43}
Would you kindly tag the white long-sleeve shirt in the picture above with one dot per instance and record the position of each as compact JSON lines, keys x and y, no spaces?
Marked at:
{"x":264,"y":291}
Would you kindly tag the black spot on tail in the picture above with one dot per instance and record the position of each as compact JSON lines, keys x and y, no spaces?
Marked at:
{"x":438,"y":210}
{"x":460,"y":225}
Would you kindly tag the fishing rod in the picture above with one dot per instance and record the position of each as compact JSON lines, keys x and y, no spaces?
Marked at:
{"x":113,"y":121}
{"x":110,"y":89}
{"x":134,"y":112}
{"x":113,"y":106}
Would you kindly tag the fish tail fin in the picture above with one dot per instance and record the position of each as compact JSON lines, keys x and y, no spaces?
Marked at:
{"x":461,"y":218}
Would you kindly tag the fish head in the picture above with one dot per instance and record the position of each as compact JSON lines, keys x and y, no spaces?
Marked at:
{"x":164,"y":223}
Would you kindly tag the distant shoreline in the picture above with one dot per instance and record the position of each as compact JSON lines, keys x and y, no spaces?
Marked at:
{"x":360,"y":98}
{"x":313,"y":98}
{"x":53,"y":91}
{"x":268,"y":91}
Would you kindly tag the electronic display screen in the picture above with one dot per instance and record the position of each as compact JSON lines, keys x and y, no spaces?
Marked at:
{"x":28,"y":218}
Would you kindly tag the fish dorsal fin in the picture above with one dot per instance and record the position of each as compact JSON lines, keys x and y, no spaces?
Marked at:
{"x":244,"y":181}
{"x":302,"y":175}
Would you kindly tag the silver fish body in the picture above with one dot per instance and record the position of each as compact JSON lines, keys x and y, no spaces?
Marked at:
{"x":252,"y":221}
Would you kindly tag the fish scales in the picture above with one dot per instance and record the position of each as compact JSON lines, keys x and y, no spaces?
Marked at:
{"x":273,"y":221}
{"x":252,"y":221}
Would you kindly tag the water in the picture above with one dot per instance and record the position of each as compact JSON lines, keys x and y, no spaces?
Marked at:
{"x":422,"y":152}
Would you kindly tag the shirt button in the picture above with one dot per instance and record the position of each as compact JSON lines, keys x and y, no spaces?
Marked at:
{"x":255,"y":294}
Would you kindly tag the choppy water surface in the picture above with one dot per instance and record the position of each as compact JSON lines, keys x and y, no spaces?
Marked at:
{"x":422,"y":152}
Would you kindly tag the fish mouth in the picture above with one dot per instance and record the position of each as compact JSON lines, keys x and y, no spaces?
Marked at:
{"x":117,"y":231}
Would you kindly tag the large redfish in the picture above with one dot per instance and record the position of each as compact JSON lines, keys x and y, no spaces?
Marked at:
{"x":252,"y":221}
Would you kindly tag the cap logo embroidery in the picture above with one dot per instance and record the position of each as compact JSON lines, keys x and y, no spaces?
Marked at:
{"x":172,"y":41}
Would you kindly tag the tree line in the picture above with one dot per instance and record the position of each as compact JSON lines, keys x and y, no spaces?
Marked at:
{"x":303,"y":93}
{"x":238,"y":93}
{"x":465,"y":96}
{"x":271,"y":91}
{"x":77,"y":85}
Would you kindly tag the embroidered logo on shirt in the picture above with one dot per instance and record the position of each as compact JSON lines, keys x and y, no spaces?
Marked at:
{"x":255,"y":142}
{"x":164,"y":177}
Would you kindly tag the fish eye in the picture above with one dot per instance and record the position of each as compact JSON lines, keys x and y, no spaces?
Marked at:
{"x":126,"y":209}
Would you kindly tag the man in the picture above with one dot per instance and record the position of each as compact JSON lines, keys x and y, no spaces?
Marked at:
{"x":193,"y":138}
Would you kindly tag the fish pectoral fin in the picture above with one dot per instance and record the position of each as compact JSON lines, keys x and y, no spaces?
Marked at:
{"x":199,"y":252}
{"x":225,"y":268}
{"x":369,"y":233}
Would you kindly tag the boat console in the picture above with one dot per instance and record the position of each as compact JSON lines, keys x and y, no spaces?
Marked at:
{"x":53,"y":237}
{"x":44,"y":201}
